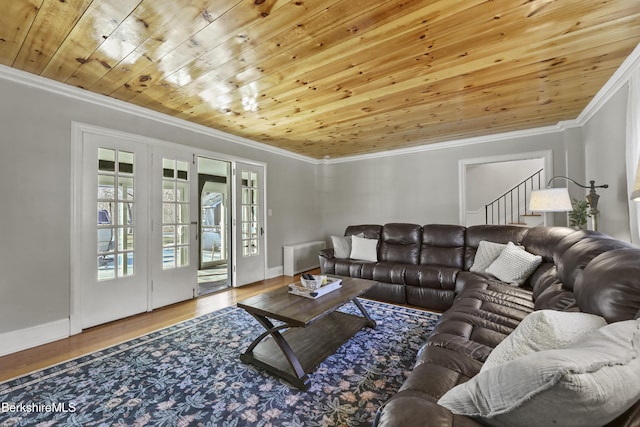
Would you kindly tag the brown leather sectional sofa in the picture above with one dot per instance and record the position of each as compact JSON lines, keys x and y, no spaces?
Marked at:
{"x":428,"y":266}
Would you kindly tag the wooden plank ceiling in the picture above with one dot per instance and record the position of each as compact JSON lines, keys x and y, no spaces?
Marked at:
{"x":331,"y":78}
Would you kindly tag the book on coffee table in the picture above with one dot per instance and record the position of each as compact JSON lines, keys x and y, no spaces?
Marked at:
{"x":332,"y":284}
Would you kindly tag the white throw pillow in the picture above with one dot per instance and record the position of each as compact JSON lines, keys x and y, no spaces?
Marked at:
{"x":487,"y":253}
{"x":341,"y":246}
{"x":543,"y":330}
{"x":364,"y":249}
{"x":589,"y":383}
{"x":514,"y":265}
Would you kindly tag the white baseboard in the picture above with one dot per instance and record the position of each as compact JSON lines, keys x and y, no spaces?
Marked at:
{"x":11,"y":342}
{"x":275,"y":272}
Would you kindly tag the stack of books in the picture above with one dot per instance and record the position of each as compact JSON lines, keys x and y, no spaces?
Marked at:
{"x":330,"y":285}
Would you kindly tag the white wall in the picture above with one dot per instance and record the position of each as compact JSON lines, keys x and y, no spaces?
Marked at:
{"x":605,"y":141}
{"x":488,"y":181}
{"x":419,"y":187}
{"x":35,"y":141}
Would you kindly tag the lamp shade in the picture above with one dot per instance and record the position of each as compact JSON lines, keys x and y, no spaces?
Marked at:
{"x":635,"y":195}
{"x":550,"y":200}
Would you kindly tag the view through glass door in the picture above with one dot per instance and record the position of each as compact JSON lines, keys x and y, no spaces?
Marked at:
{"x":214,"y":189}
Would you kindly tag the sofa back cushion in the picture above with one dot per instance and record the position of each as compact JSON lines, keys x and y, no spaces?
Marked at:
{"x":370,"y":231}
{"x":491,"y":233}
{"x":543,"y":240}
{"x":400,"y":243}
{"x":609,"y":285}
{"x":574,"y":259}
{"x":443,"y":245}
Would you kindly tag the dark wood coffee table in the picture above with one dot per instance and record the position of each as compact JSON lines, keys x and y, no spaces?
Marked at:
{"x":312,"y":329}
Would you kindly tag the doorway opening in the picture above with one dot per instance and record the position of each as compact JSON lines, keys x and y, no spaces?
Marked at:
{"x":489,"y":179}
{"x":214,"y":190}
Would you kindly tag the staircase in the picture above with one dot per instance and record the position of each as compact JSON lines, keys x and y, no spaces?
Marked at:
{"x":512,"y":207}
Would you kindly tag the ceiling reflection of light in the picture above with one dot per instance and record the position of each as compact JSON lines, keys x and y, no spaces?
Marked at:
{"x":250,"y":97}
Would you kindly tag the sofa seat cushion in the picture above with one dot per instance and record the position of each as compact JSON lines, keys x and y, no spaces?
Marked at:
{"x":431,"y":276}
{"x":346,"y":267}
{"x":434,"y":298}
{"x":387,"y":272}
{"x":589,"y":383}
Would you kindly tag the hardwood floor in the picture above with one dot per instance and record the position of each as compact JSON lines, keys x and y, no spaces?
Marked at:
{"x":103,"y":336}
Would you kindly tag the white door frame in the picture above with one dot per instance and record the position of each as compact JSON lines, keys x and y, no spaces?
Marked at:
{"x":547,"y":155}
{"x":78,"y":129}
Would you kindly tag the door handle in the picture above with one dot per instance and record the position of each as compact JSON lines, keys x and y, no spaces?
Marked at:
{"x":261,"y":231}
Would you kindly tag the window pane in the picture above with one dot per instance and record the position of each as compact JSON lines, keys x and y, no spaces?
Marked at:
{"x":168,"y":257}
{"x":182,"y":194}
{"x":106,"y":187}
{"x":106,"y":160}
{"x":125,"y":264}
{"x":182,"y":258}
{"x":168,"y":213}
{"x":254,"y":180}
{"x":183,"y":170}
{"x":183,"y":213}
{"x":125,"y":214}
{"x":105,"y":240}
{"x":168,"y":191}
{"x":125,"y":188}
{"x":183,"y":234}
{"x":105,"y":268}
{"x":125,"y":239}
{"x":245,"y":196}
{"x":254,"y":247}
{"x":125,"y":162}
{"x":168,"y":235}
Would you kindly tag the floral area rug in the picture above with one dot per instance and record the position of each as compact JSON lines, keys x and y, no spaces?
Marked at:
{"x":191,"y":374}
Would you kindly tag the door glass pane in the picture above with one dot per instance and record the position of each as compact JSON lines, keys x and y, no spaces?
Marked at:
{"x":250,"y":213}
{"x":125,"y":264}
{"x":125,"y":238}
{"x":168,"y":191}
{"x":106,"y":160}
{"x":175,"y":213}
{"x":125,"y":188}
{"x":115,"y":213}
{"x":168,"y":235}
{"x":125,"y":162}
{"x":106,"y":187}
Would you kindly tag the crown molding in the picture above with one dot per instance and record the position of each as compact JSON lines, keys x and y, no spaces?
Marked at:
{"x":53,"y":86}
{"x":559,"y":127}
{"x":615,"y":83}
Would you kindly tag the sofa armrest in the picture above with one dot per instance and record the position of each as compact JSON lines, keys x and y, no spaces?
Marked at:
{"x":326,"y":253}
{"x":414,"y":409}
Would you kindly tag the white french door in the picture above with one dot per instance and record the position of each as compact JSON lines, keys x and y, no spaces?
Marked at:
{"x":249,"y":260}
{"x":174,"y":218}
{"x":113,"y":270}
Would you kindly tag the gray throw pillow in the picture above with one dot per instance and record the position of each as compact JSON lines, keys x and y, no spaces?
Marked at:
{"x":341,"y":246}
{"x":487,"y":253}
